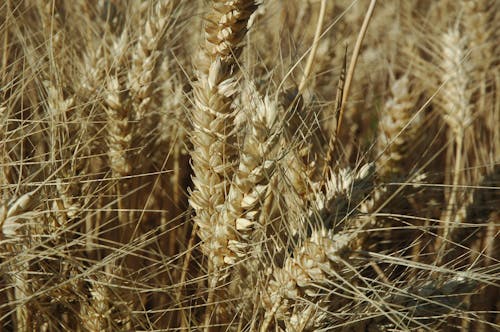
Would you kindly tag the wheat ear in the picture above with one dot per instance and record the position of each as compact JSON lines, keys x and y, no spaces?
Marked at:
{"x":12,"y":220}
{"x":107,"y":309}
{"x":296,"y":292}
{"x":482,"y":31}
{"x":119,"y":124}
{"x":295,"y":295}
{"x":246,"y":207}
{"x":119,"y":116}
{"x":252,"y":177}
{"x":456,"y":109}
{"x":427,"y":302}
{"x":422,"y":304}
{"x":475,"y":209}
{"x":344,"y":192}
{"x":146,"y":58}
{"x":397,"y":130}
{"x":59,"y":110}
{"x":213,"y":120}
{"x":213,"y":155}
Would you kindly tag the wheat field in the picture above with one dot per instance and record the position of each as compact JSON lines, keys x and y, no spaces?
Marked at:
{"x":249,"y":165}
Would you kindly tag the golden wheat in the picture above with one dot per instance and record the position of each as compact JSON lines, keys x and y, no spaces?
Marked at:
{"x":249,"y":165}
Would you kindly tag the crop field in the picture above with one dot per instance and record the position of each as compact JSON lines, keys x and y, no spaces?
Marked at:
{"x":249,"y":165}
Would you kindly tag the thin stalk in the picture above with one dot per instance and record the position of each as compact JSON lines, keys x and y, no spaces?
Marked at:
{"x":212,"y":284}
{"x":185,"y":266}
{"x":449,"y":224}
{"x":269,"y":318}
{"x":354,"y":60}
{"x":314,"y":48}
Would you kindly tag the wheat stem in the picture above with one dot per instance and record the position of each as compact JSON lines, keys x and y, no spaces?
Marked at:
{"x":354,"y":60}
{"x":314,"y":48}
{"x":452,"y":200}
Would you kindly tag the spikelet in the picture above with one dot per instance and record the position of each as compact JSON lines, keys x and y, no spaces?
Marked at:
{"x":213,"y":154}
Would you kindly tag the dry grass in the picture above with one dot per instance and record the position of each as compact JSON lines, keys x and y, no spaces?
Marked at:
{"x":227,"y":165}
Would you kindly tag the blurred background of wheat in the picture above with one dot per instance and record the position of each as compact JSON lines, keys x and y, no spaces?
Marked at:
{"x":176,"y":165}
